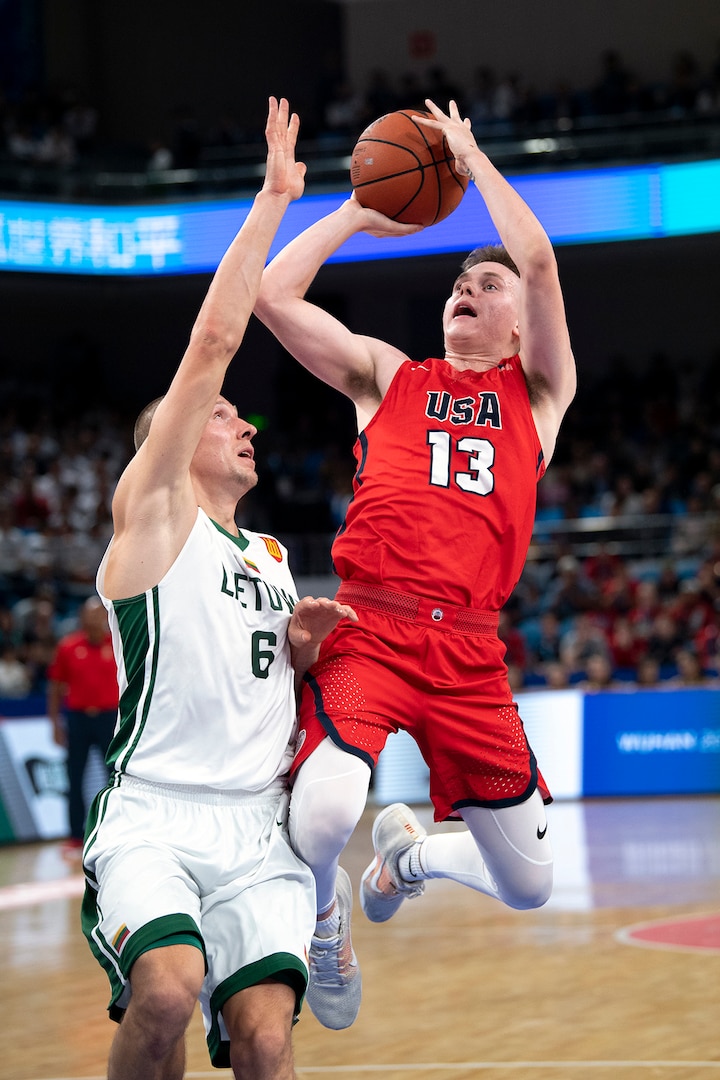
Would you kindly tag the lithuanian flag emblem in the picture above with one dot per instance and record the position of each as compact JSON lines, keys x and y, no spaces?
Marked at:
{"x":119,"y":940}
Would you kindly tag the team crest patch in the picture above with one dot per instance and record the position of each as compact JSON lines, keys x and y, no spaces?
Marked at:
{"x":273,"y":547}
{"x":120,"y":938}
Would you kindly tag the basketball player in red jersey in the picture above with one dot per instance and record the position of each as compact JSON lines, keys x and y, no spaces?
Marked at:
{"x":449,"y":453}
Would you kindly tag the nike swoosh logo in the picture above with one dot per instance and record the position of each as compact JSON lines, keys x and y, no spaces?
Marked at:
{"x":541,"y":834}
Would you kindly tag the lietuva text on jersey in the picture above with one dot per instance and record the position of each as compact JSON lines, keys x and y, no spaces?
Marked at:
{"x":207,"y":692}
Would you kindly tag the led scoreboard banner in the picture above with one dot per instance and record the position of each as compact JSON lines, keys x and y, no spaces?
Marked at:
{"x":578,"y":207}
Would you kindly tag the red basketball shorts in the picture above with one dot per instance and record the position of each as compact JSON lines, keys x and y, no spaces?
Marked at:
{"x":434,"y":671}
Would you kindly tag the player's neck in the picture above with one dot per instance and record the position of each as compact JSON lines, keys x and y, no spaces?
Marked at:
{"x":221,"y":511}
{"x":472,"y":361}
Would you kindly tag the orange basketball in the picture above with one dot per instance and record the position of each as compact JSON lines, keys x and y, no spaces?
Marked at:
{"x":406,"y":170}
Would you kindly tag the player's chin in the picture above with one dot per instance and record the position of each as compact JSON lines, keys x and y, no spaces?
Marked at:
{"x":247,"y":473}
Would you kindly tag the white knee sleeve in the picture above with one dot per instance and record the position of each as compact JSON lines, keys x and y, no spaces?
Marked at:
{"x":505,"y":853}
{"x":327,"y":801}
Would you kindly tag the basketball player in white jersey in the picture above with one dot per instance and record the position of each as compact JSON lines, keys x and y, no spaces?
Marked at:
{"x":193,"y":891}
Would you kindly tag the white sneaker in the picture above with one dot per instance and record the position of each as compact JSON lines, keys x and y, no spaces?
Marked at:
{"x":335,"y":986}
{"x":382,"y":889}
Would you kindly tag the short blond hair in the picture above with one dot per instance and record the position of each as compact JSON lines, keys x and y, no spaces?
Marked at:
{"x":142,"y":424}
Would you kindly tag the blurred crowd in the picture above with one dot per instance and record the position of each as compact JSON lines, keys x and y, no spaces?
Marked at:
{"x":61,"y":127}
{"x":634,"y":448}
{"x":504,"y":102}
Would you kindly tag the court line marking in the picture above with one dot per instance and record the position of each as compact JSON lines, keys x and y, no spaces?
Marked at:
{"x":625,"y":935}
{"x":446,"y":1066}
{"x":39,"y":892}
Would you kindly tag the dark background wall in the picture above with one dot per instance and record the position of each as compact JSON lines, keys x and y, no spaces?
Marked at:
{"x":547,"y":43}
{"x":142,"y":61}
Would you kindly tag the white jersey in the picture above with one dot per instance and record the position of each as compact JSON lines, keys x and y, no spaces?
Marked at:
{"x":206,"y":684}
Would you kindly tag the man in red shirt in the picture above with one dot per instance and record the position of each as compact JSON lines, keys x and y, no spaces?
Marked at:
{"x":82,"y":701}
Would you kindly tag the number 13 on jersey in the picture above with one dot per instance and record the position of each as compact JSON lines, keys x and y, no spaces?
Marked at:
{"x":478,"y":456}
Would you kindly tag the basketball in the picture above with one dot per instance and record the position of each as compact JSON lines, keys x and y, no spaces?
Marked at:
{"x":406,"y":170}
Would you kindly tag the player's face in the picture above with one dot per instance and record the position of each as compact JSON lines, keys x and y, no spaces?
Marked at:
{"x":226,"y":445}
{"x":483,"y":307}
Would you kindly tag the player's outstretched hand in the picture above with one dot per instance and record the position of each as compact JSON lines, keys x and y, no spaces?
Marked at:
{"x":283,"y":174}
{"x":458,"y":132}
{"x":314,"y":618}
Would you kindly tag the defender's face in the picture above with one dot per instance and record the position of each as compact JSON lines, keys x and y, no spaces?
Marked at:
{"x":225,"y":447}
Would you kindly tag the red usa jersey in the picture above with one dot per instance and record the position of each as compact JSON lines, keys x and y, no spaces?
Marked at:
{"x":445,"y":490}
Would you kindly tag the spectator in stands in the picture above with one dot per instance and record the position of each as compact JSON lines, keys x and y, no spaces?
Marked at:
{"x":582,"y":640}
{"x":598,"y":674}
{"x":440,"y":87}
{"x":626,"y":649}
{"x":40,"y":623}
{"x":611,"y":93}
{"x":480,"y":97}
{"x":186,"y":139}
{"x":30,"y":509}
{"x":14,"y":678}
{"x":645,"y":608}
{"x":602,"y":566}
{"x":647,"y":673}
{"x":616,"y":595}
{"x":689,"y":669}
{"x":664,"y":639}
{"x":570,"y":592}
{"x":346,"y":111}
{"x":623,"y":500}
{"x":707,"y":644}
{"x":80,"y":120}
{"x":516,"y":654}
{"x":684,"y":85}
{"x":380,"y":97}
{"x":557,"y":676}
{"x":546,"y":645}
{"x":160,"y":156}
{"x":668,"y":581}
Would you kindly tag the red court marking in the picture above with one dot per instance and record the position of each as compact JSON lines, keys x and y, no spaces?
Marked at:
{"x":692,"y":933}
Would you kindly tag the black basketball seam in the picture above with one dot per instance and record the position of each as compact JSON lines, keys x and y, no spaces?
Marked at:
{"x":447,"y":159}
{"x":391,"y":176}
{"x":397,"y":146}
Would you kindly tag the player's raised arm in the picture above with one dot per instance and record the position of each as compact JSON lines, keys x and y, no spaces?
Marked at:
{"x":155,"y":503}
{"x":544,"y":339}
{"x":357,"y":366}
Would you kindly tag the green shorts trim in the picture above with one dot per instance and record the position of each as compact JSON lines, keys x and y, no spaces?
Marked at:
{"x":117,"y":958}
{"x":282,"y":967}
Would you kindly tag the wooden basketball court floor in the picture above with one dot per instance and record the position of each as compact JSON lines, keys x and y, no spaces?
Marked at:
{"x":618,"y":976}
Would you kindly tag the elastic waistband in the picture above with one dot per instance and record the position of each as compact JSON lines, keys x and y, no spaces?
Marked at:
{"x":200,"y":794}
{"x":419,"y":609}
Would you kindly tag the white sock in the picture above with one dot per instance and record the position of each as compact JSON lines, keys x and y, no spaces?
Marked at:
{"x":329,"y":925}
{"x":456,"y":856}
{"x":410,"y":864}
